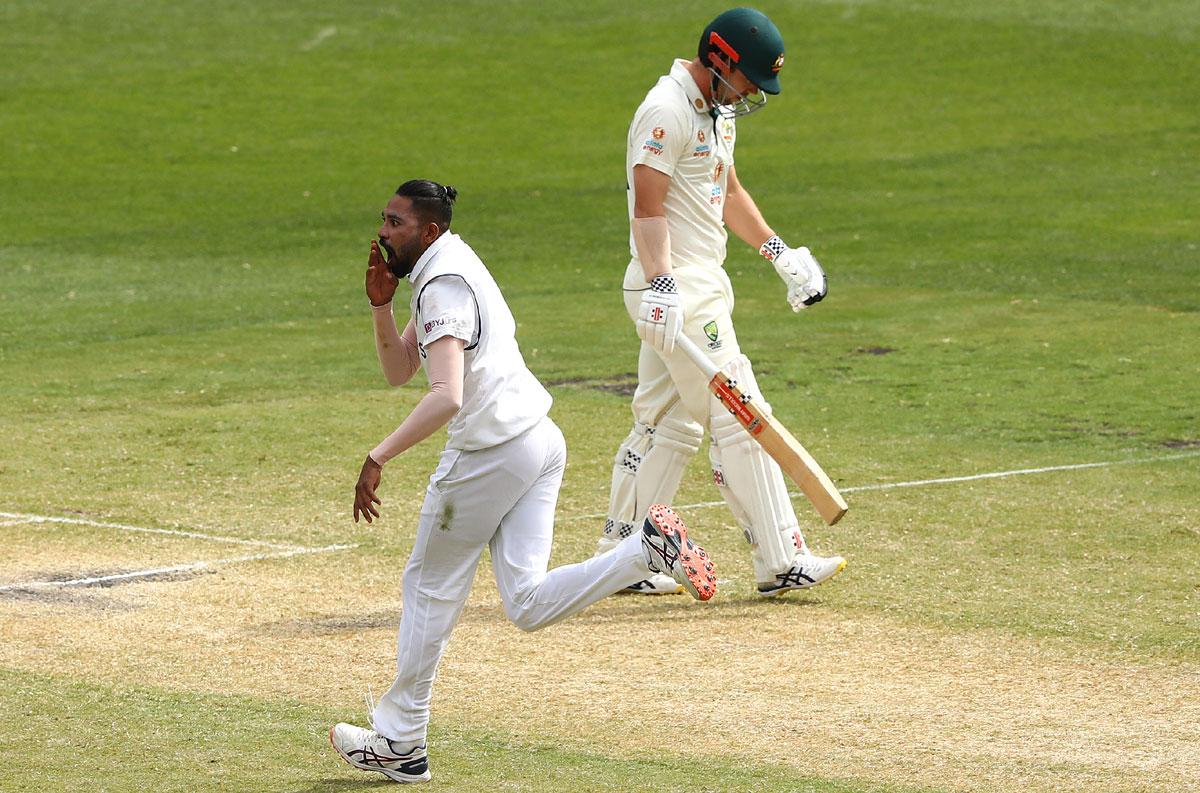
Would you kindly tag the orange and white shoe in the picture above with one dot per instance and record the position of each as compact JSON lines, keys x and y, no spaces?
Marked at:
{"x":668,"y":550}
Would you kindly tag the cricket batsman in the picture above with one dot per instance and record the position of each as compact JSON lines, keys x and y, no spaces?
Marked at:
{"x":683,"y":194}
{"x":496,"y":484}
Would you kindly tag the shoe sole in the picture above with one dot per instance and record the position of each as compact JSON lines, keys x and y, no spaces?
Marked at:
{"x":700,"y":576}
{"x":652,"y":593}
{"x":395,"y":776}
{"x":635,"y":590}
{"x":792,"y":588}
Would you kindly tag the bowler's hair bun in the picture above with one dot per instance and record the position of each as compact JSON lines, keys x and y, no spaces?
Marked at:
{"x":451,"y":194}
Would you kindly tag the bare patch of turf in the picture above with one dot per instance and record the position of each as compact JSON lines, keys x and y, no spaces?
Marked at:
{"x":623,"y":385}
{"x":65,"y":598}
{"x":332,"y":624}
{"x":83,"y":579}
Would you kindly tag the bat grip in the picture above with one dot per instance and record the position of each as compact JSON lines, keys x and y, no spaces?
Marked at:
{"x":702,"y":361}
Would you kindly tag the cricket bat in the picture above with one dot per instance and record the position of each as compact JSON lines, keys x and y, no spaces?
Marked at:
{"x":775,"y":439}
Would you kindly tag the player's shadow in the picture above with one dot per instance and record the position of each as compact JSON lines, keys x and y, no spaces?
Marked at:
{"x":646,"y":609}
{"x":336,"y":785}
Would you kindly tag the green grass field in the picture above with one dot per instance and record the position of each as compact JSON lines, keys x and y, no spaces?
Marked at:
{"x":1003,"y":193}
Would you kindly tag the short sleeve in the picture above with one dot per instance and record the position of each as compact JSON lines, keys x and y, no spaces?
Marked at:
{"x":658,"y":137}
{"x":446,"y":307}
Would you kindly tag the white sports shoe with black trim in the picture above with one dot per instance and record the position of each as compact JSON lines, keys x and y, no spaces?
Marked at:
{"x":656,"y":584}
{"x":370,"y":751}
{"x":807,"y":570}
{"x":668,"y":550}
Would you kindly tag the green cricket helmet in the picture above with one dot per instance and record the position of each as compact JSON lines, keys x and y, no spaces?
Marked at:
{"x":748,"y":40}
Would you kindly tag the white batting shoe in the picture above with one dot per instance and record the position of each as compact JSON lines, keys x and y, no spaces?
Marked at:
{"x":370,"y":751}
{"x":668,"y":550}
{"x":656,"y":584}
{"x":807,"y":570}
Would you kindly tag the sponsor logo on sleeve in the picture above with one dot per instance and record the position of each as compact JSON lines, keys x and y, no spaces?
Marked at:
{"x":700,"y":136}
{"x":653,"y":143}
{"x":454,"y":323}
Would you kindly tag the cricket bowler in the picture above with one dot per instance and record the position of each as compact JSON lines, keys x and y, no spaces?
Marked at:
{"x":497,"y":481}
{"x":683,"y":194}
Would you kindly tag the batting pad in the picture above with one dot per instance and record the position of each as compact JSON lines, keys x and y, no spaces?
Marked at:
{"x":647,"y":470}
{"x":751,"y":482}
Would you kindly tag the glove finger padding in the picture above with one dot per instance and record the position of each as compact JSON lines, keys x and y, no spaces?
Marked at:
{"x":797,"y":298}
{"x":816,"y":284}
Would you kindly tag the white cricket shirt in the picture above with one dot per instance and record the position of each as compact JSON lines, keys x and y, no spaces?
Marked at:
{"x":455,"y":295}
{"x":673,"y":132}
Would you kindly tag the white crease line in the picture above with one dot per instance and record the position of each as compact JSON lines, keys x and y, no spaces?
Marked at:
{"x":1018,"y":472}
{"x":949,"y":479}
{"x":182,"y":568}
{"x":15,"y":522}
{"x":20,"y":518}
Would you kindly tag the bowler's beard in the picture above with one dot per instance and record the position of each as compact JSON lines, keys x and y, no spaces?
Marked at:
{"x":400,"y":266}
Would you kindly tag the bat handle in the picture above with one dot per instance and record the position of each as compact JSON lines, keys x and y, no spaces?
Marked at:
{"x":702,"y":361}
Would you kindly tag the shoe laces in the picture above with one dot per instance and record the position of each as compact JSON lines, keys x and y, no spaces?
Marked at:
{"x":370,"y":695}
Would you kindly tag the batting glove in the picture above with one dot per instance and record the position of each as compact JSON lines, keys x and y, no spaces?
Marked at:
{"x":660,"y":316}
{"x":800,"y":270}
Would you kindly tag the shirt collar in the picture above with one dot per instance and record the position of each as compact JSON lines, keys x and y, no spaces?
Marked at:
{"x":429,"y":253}
{"x":681,"y":75}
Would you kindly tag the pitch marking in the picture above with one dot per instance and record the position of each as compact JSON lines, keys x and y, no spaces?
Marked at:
{"x":279,"y":550}
{"x":953,"y":479}
{"x":180,"y":568}
{"x":1018,"y":472}
{"x":19,"y":518}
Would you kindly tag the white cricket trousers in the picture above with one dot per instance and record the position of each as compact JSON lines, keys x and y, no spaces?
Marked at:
{"x":502,"y":497}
